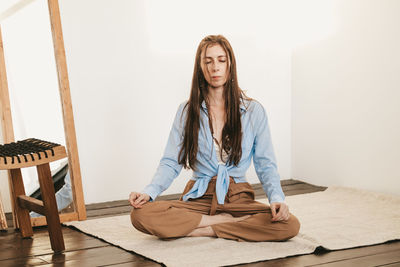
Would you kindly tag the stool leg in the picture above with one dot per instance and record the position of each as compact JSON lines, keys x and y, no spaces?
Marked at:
{"x":50,"y":206}
{"x":23,"y":218}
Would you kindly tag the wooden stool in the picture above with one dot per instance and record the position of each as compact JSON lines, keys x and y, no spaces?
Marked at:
{"x":28,"y":153}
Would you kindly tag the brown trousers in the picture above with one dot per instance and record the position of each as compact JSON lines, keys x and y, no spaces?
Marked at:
{"x":177,"y":218}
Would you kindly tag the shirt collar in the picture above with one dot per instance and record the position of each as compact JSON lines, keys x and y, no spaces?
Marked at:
{"x":242,"y":106}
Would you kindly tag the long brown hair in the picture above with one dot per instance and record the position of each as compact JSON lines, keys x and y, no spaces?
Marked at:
{"x":233,"y":95}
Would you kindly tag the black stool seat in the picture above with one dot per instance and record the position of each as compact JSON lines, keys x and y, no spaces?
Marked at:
{"x":29,"y":152}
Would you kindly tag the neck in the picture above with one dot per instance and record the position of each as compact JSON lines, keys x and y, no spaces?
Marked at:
{"x":216,"y":96}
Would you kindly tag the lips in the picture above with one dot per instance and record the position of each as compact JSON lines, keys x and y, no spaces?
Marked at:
{"x":215,"y":77}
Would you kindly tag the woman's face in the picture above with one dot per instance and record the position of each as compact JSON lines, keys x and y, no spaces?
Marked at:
{"x":214,"y":64}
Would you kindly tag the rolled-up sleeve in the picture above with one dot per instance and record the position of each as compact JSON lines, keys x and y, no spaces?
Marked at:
{"x":264,"y":157}
{"x":168,"y":168}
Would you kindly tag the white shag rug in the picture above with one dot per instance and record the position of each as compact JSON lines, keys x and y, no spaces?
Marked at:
{"x":336,"y":218}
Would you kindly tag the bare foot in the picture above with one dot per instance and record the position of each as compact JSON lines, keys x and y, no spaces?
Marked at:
{"x":207,"y":220}
{"x":233,"y":219}
{"x":204,"y":228}
{"x":203,"y":231}
{"x":226,"y":215}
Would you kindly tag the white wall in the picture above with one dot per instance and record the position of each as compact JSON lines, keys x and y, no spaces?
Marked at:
{"x":345,"y":116}
{"x":130,"y":66}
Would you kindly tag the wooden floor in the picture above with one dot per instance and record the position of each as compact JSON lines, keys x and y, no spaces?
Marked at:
{"x":83,"y":250}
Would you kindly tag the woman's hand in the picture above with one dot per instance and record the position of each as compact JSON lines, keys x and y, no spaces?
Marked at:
{"x":280,"y":211}
{"x":138,"y":199}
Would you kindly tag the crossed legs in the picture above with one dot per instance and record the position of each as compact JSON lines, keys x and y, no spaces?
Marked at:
{"x":173,"y":219}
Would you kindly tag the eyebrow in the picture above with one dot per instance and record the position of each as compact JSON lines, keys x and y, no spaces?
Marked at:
{"x":217,"y":57}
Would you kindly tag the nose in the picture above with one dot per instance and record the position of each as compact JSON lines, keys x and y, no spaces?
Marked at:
{"x":215,"y":67}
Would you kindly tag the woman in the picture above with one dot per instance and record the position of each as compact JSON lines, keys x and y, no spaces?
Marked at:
{"x":216,"y":133}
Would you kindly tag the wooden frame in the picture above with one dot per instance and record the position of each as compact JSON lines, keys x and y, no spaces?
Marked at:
{"x":6,"y":121}
{"x":3,"y":220}
{"x":68,"y":118}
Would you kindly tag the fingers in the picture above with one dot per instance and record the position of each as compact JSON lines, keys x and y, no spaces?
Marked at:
{"x":284,"y":216}
{"x":141,"y":203}
{"x":138,"y":199}
{"x":132,"y":198}
{"x":273,"y":211}
{"x":283,"y":213}
{"x":274,"y":208}
{"x":143,"y":199}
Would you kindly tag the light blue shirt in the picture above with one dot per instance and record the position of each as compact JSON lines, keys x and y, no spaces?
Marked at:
{"x":256,"y":144}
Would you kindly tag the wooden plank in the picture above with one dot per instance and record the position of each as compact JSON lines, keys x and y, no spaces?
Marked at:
{"x":50,"y":207}
{"x":289,"y":188}
{"x":59,"y":153}
{"x":109,"y":212}
{"x":301,"y":191}
{"x":29,"y":261}
{"x":94,"y":257}
{"x":323,"y":256}
{"x":3,"y":219}
{"x":108,"y":204}
{"x":66,"y":103}
{"x":64,"y":217}
{"x":23,"y":219}
{"x":290,"y":182}
{"x":39,"y":231}
{"x":6,"y":118}
{"x":45,"y":248}
{"x":369,"y":260}
{"x":395,"y":264}
{"x":12,"y":246}
{"x":31,"y":203}
{"x":41,"y":237}
{"x":136,"y":264}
